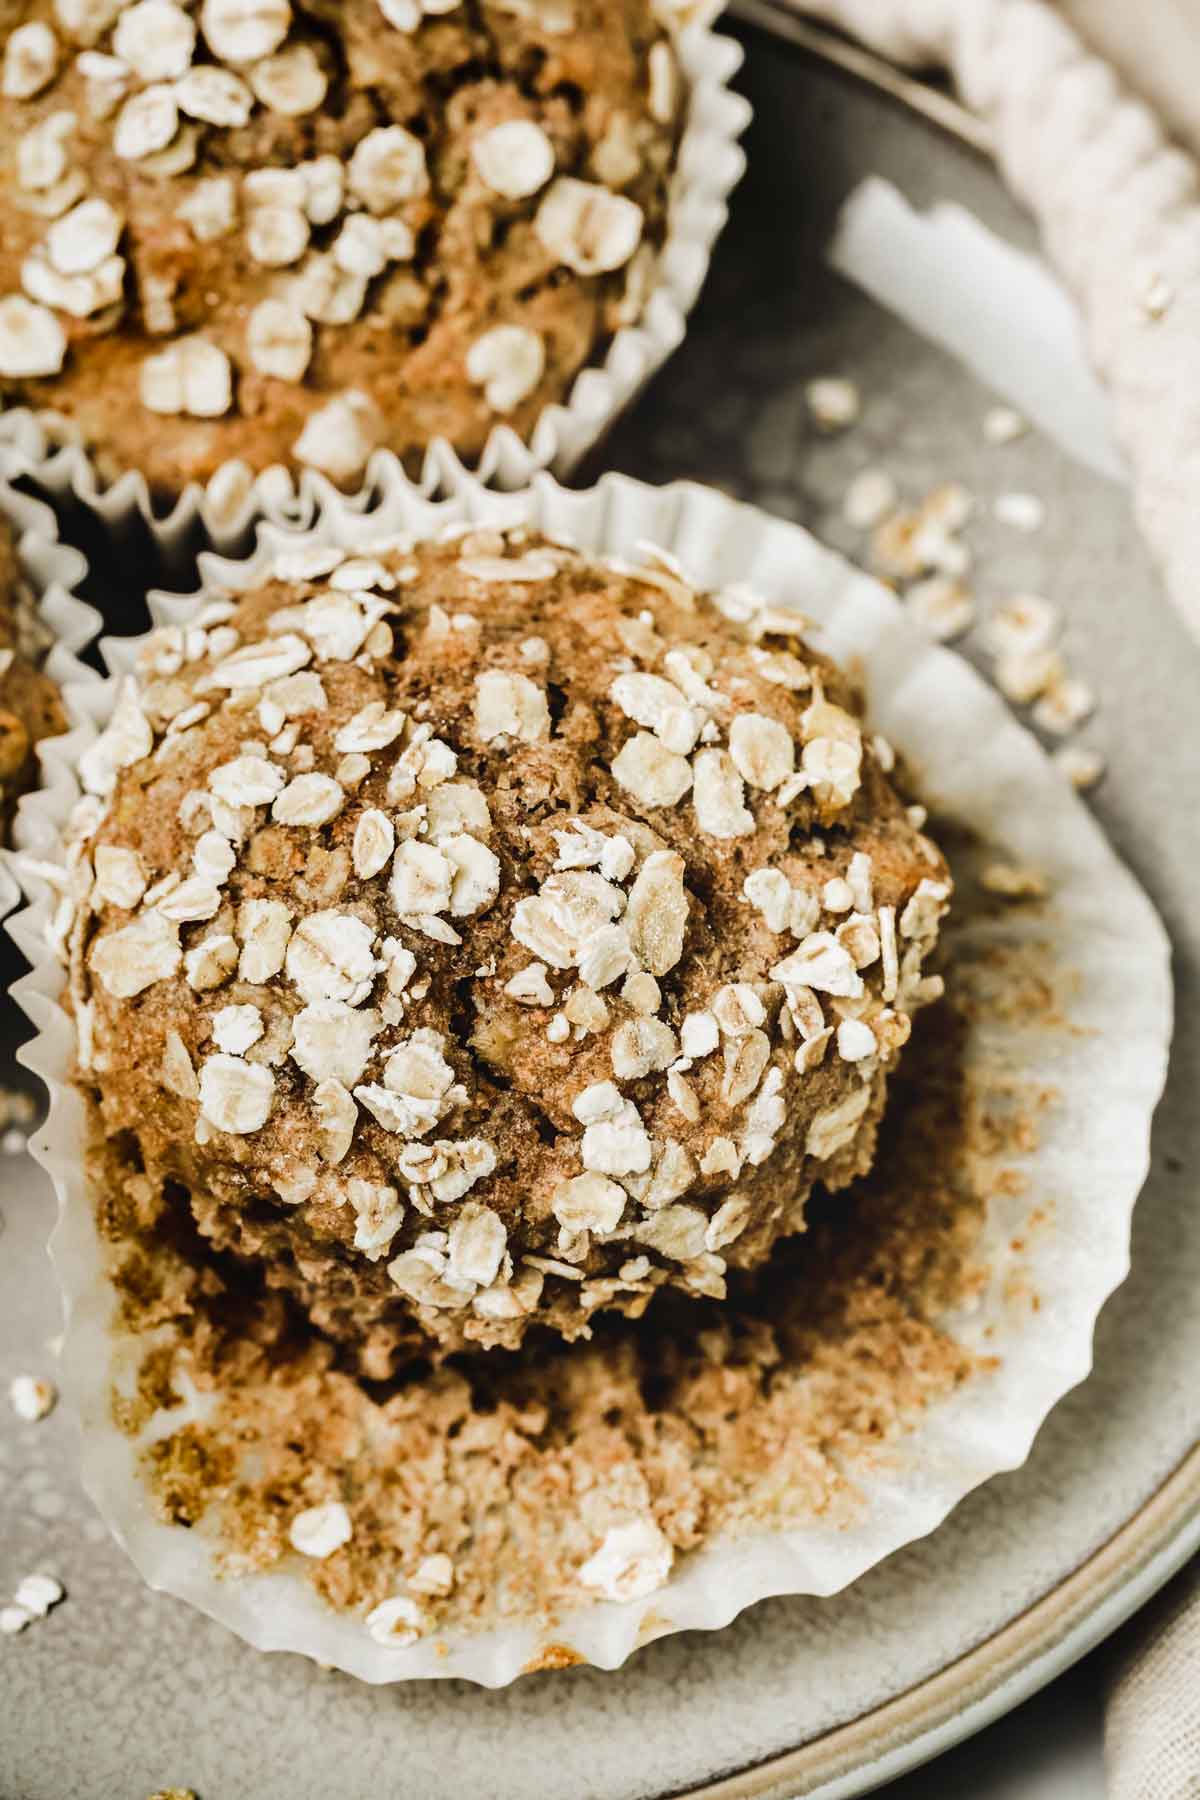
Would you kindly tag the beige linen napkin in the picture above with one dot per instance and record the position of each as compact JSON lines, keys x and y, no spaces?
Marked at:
{"x":1156,"y":45}
{"x":1152,"y":1723}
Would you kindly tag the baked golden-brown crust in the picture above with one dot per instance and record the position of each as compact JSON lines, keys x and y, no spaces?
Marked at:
{"x":248,"y":229}
{"x":484,"y":934}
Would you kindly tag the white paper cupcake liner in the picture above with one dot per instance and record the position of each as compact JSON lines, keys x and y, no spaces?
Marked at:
{"x":52,"y":572}
{"x":976,"y":765}
{"x":45,"y":446}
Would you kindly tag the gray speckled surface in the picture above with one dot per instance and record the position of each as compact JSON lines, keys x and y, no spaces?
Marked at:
{"x":119,"y":1691}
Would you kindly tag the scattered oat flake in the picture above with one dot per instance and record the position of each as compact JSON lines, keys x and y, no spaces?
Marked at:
{"x":134,"y":958}
{"x":320,"y":1530}
{"x":1155,"y":294}
{"x":330,"y":956}
{"x":833,"y":402}
{"x":36,"y":1594}
{"x":190,"y":376}
{"x":1082,"y":767}
{"x":32,"y":1397}
{"x":396,"y":1623}
{"x":530,"y":986}
{"x":588,"y":1202}
{"x":311,"y":800}
{"x":242,"y":31}
{"x":279,"y":340}
{"x":719,"y":796}
{"x":339,"y":437}
{"x":1063,"y":705}
{"x":374,"y":843}
{"x":508,"y":363}
{"x":510,"y":706}
{"x":942,"y":605}
{"x":291,"y":82}
{"x":536,"y":566}
{"x":235,"y":1096}
{"x":256,"y":665}
{"x":761,"y":749}
{"x":1021,"y":626}
{"x":855,"y":1040}
{"x":1024,"y":674}
{"x":654,"y":775}
{"x":1024,"y":512}
{"x":236,"y":1028}
{"x":822,"y":963}
{"x":1003,"y":425}
{"x":633,"y":1561}
{"x":657,"y":912}
{"x":30,"y":60}
{"x":433,"y":1575}
{"x":514,"y":158}
{"x":32,"y":341}
{"x":586,"y":227}
{"x":870,"y":497}
{"x":836,"y":1127}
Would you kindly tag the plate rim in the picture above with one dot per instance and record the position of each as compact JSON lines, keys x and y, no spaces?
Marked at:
{"x":972,"y":1692}
{"x":1071,"y":1618}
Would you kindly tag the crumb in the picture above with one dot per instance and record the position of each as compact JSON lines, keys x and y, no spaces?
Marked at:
{"x":36,"y":1594}
{"x":32,"y":1397}
{"x":1063,"y":705}
{"x":1013,"y":882}
{"x":1026,"y":625}
{"x":1024,"y":512}
{"x":1082,"y":767}
{"x":870,"y":497}
{"x":834,"y":403}
{"x":1003,"y":425}
{"x":1155,"y":295}
{"x":942,"y":606}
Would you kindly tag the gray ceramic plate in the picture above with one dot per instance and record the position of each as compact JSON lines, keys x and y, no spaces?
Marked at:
{"x":121,"y":1691}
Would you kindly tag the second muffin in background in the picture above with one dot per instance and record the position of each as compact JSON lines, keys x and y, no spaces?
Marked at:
{"x":483,"y":934}
{"x":279,"y":234}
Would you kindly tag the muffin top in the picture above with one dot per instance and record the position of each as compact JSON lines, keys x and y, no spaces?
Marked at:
{"x":31,"y":706}
{"x":269,"y":231}
{"x":480,"y":932}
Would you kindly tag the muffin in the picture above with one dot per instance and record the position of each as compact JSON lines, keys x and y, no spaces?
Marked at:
{"x":252,"y":230}
{"x":31,"y":706}
{"x":475,"y":935}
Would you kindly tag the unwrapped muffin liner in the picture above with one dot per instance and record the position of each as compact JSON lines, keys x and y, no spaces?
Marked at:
{"x":44,"y":446}
{"x":975,"y":764}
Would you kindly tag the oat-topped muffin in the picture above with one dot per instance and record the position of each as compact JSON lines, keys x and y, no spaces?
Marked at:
{"x":270,"y":231}
{"x":31,"y":706}
{"x":478,"y":934}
